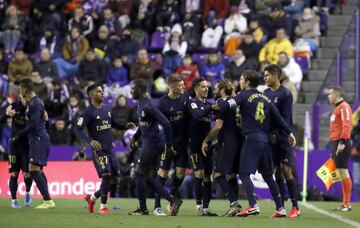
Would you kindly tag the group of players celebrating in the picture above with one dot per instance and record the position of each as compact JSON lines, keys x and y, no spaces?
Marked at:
{"x":252,"y":132}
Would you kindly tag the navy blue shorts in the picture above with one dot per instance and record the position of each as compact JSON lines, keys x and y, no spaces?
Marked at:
{"x":198,"y":160}
{"x":256,"y":155}
{"x":180,"y":159}
{"x":149,"y":156}
{"x":19,"y":156}
{"x":39,"y":148}
{"x":228,"y":158}
{"x":283,"y":153}
{"x":105,"y":162}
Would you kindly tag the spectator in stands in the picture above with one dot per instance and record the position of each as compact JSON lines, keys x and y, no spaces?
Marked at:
{"x":291,"y":69}
{"x":3,"y":7}
{"x":191,"y":11}
{"x":272,"y":48}
{"x":5,"y":139}
{"x":95,"y":6}
{"x":142,"y":67}
{"x":75,"y":47}
{"x":13,"y":27}
{"x":215,"y":12}
{"x":37,"y":23}
{"x":3,"y":63}
{"x":20,"y":67}
{"x":166,"y":13}
{"x":250,"y":47}
{"x":54,"y":10}
{"x":256,"y":31}
{"x":103,"y":45}
{"x":175,"y":43}
{"x":56,"y":104}
{"x":214,"y":69}
{"x":309,"y":29}
{"x":245,"y":6}
{"x":82,"y":21}
{"x":92,"y":69}
{"x":188,"y":71}
{"x":294,"y":10}
{"x":47,"y":69}
{"x":238,"y":65}
{"x":143,"y":16}
{"x":117,"y":73}
{"x":39,"y":85}
{"x":23,"y":6}
{"x":74,"y":107}
{"x":211,"y":37}
{"x":123,"y":113}
{"x":59,"y":133}
{"x":290,"y":86}
{"x":128,"y":47}
{"x":112,"y":24}
{"x":235,"y":26}
{"x":174,"y":50}
{"x":262,"y":6}
{"x":276,"y":19}
{"x":50,"y":40}
{"x":122,"y":10}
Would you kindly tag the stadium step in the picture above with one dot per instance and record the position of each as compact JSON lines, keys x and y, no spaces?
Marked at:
{"x":317,"y":75}
{"x":336,"y":31}
{"x":329,"y":41}
{"x":339,"y":20}
{"x":326,"y":53}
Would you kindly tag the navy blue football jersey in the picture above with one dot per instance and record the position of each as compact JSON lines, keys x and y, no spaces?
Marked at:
{"x":200,"y":114}
{"x":175,"y":111}
{"x":257,"y":113}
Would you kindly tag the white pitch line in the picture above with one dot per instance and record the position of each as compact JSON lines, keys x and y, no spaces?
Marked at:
{"x":332,"y":215}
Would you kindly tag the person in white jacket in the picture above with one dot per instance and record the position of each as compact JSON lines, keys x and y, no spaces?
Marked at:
{"x":291,"y":69}
{"x":236,"y":22}
{"x":175,"y":42}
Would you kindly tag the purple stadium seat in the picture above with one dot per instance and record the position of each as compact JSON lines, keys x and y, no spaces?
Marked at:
{"x":200,"y":58}
{"x":157,"y":40}
{"x":304,"y":63}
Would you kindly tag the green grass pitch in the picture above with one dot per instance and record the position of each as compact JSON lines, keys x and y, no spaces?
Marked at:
{"x":73,"y":213}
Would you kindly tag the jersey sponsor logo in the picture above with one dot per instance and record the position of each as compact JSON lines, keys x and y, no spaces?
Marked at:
{"x":332,"y":118}
{"x":194,"y":106}
{"x":80,"y":121}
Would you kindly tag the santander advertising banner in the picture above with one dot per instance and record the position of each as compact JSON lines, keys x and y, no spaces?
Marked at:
{"x":66,"y":179}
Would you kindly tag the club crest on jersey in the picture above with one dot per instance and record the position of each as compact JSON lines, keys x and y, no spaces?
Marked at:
{"x":97,"y":117}
{"x":276,"y":100}
{"x":109,"y":114}
{"x":142,"y":114}
{"x":194,"y":106}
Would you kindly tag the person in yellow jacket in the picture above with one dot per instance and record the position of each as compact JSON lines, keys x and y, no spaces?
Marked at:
{"x":275,"y":46}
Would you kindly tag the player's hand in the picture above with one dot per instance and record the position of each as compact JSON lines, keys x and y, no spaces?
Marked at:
{"x":292,"y":140}
{"x":340,"y":148}
{"x":46,"y":116}
{"x":133,"y":145}
{"x":204,"y":148}
{"x":14,"y":139}
{"x":215,"y":106}
{"x":10,"y":111}
{"x":95,"y":145}
{"x":170,"y":150}
{"x":130,"y":125}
